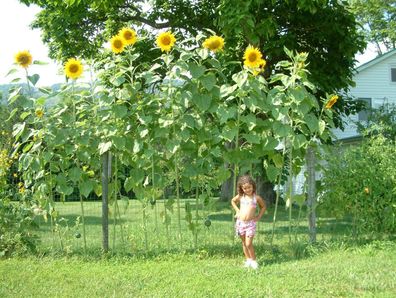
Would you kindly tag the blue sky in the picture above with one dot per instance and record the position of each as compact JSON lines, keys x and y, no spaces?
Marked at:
{"x":16,"y":36}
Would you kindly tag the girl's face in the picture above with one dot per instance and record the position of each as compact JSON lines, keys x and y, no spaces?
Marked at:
{"x":247,"y":189}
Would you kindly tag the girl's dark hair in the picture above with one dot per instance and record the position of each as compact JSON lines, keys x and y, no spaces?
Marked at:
{"x":243,"y":180}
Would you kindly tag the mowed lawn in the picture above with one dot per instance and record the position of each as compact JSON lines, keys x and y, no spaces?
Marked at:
{"x":363,"y":271}
{"x":163,"y":265}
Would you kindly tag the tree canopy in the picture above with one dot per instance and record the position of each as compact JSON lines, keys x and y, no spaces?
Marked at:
{"x":378,"y":20}
{"x":326,"y":29}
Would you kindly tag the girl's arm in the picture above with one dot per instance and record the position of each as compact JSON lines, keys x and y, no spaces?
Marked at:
{"x":234,"y":203}
{"x":263,"y":207}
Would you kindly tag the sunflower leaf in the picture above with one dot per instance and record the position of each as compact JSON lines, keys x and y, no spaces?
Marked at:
{"x":37,"y":62}
{"x":34,"y":79}
{"x":14,"y":70}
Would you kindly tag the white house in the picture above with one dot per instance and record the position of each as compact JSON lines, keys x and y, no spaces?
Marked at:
{"x":376,"y":85}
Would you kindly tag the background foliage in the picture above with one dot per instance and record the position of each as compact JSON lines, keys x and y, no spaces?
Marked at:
{"x":359,"y":181}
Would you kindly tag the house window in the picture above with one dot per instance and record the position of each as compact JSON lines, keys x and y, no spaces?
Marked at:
{"x":393,"y":74}
{"x":363,"y":114}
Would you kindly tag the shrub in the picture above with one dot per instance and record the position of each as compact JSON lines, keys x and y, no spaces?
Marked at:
{"x":16,"y":223}
{"x":361,"y":181}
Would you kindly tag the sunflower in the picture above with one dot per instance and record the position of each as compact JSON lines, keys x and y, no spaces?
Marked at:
{"x":23,"y":58}
{"x":39,"y":113}
{"x":214,"y":43}
{"x":73,"y":68}
{"x":117,"y":44}
{"x":165,"y":41}
{"x":128,"y":35}
{"x":253,"y":57}
{"x":331,"y":101}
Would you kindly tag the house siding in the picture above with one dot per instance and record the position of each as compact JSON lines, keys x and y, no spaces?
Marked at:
{"x":373,"y":80}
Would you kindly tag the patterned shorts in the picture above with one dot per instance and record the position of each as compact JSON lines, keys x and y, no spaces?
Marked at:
{"x":247,"y":228}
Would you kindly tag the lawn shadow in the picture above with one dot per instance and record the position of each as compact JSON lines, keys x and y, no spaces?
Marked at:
{"x":70,"y":219}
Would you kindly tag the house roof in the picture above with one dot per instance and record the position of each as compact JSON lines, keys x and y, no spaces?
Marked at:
{"x":350,"y":140}
{"x":376,"y":60}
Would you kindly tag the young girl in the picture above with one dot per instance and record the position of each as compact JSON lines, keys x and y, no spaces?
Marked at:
{"x":246,"y":216}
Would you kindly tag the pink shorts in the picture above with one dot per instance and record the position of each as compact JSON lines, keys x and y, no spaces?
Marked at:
{"x":247,"y":228}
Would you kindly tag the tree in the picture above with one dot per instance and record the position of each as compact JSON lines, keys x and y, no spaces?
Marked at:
{"x":326,"y":29}
{"x":378,"y":20}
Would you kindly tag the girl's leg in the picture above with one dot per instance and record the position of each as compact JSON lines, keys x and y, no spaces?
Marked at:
{"x":244,"y":247}
{"x":249,"y":247}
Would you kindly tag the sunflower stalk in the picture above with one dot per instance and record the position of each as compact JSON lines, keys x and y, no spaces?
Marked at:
{"x":153,"y":197}
{"x":290,"y":190}
{"x":278,"y":193}
{"x":236,"y":168}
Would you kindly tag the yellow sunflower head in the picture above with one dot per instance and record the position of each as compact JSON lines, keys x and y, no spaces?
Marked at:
{"x":128,"y":35}
{"x":331,"y":102}
{"x":73,"y":68}
{"x":214,"y":43}
{"x":39,"y":113}
{"x":253,"y":57}
{"x":165,"y":41}
{"x":117,"y":44}
{"x":23,"y":58}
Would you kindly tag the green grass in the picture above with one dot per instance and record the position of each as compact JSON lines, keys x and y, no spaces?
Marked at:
{"x":128,"y":237}
{"x":360,"y":271}
{"x":336,"y":266}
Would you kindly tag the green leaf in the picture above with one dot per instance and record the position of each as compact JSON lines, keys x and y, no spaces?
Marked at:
{"x":74,"y":174}
{"x":14,"y":95}
{"x":119,"y":142}
{"x":252,"y":138}
{"x":13,"y":112}
{"x":282,"y":130}
{"x":86,"y":187}
{"x":240,"y":78}
{"x":229,"y":133}
{"x":250,"y":120}
{"x":299,"y":141}
{"x":24,"y":115}
{"x":118,"y":81}
{"x":137,"y":146}
{"x":120,"y":111}
{"x":12,"y":71}
{"x":172,"y":146}
{"x":278,"y":160}
{"x":299,"y":199}
{"x":209,"y":81}
{"x":128,"y":184}
{"x":312,"y":122}
{"x":226,"y":90}
{"x":18,"y":130}
{"x":64,"y":189}
{"x":202,"y":101}
{"x":34,"y":79}
{"x":272,"y":172}
{"x":38,"y":62}
{"x":226,"y":113}
{"x":104,"y":147}
{"x":322,"y":126}
{"x":196,"y":70}
{"x":27,"y":147}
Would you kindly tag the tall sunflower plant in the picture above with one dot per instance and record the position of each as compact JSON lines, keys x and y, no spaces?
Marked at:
{"x":170,"y":124}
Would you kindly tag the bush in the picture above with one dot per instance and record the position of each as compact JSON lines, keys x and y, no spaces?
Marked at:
{"x":16,"y":222}
{"x":361,"y":181}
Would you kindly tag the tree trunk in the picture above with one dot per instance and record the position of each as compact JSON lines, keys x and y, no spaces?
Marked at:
{"x":227,"y":192}
{"x":265,"y":188}
{"x":311,"y":202}
{"x":227,"y":188}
